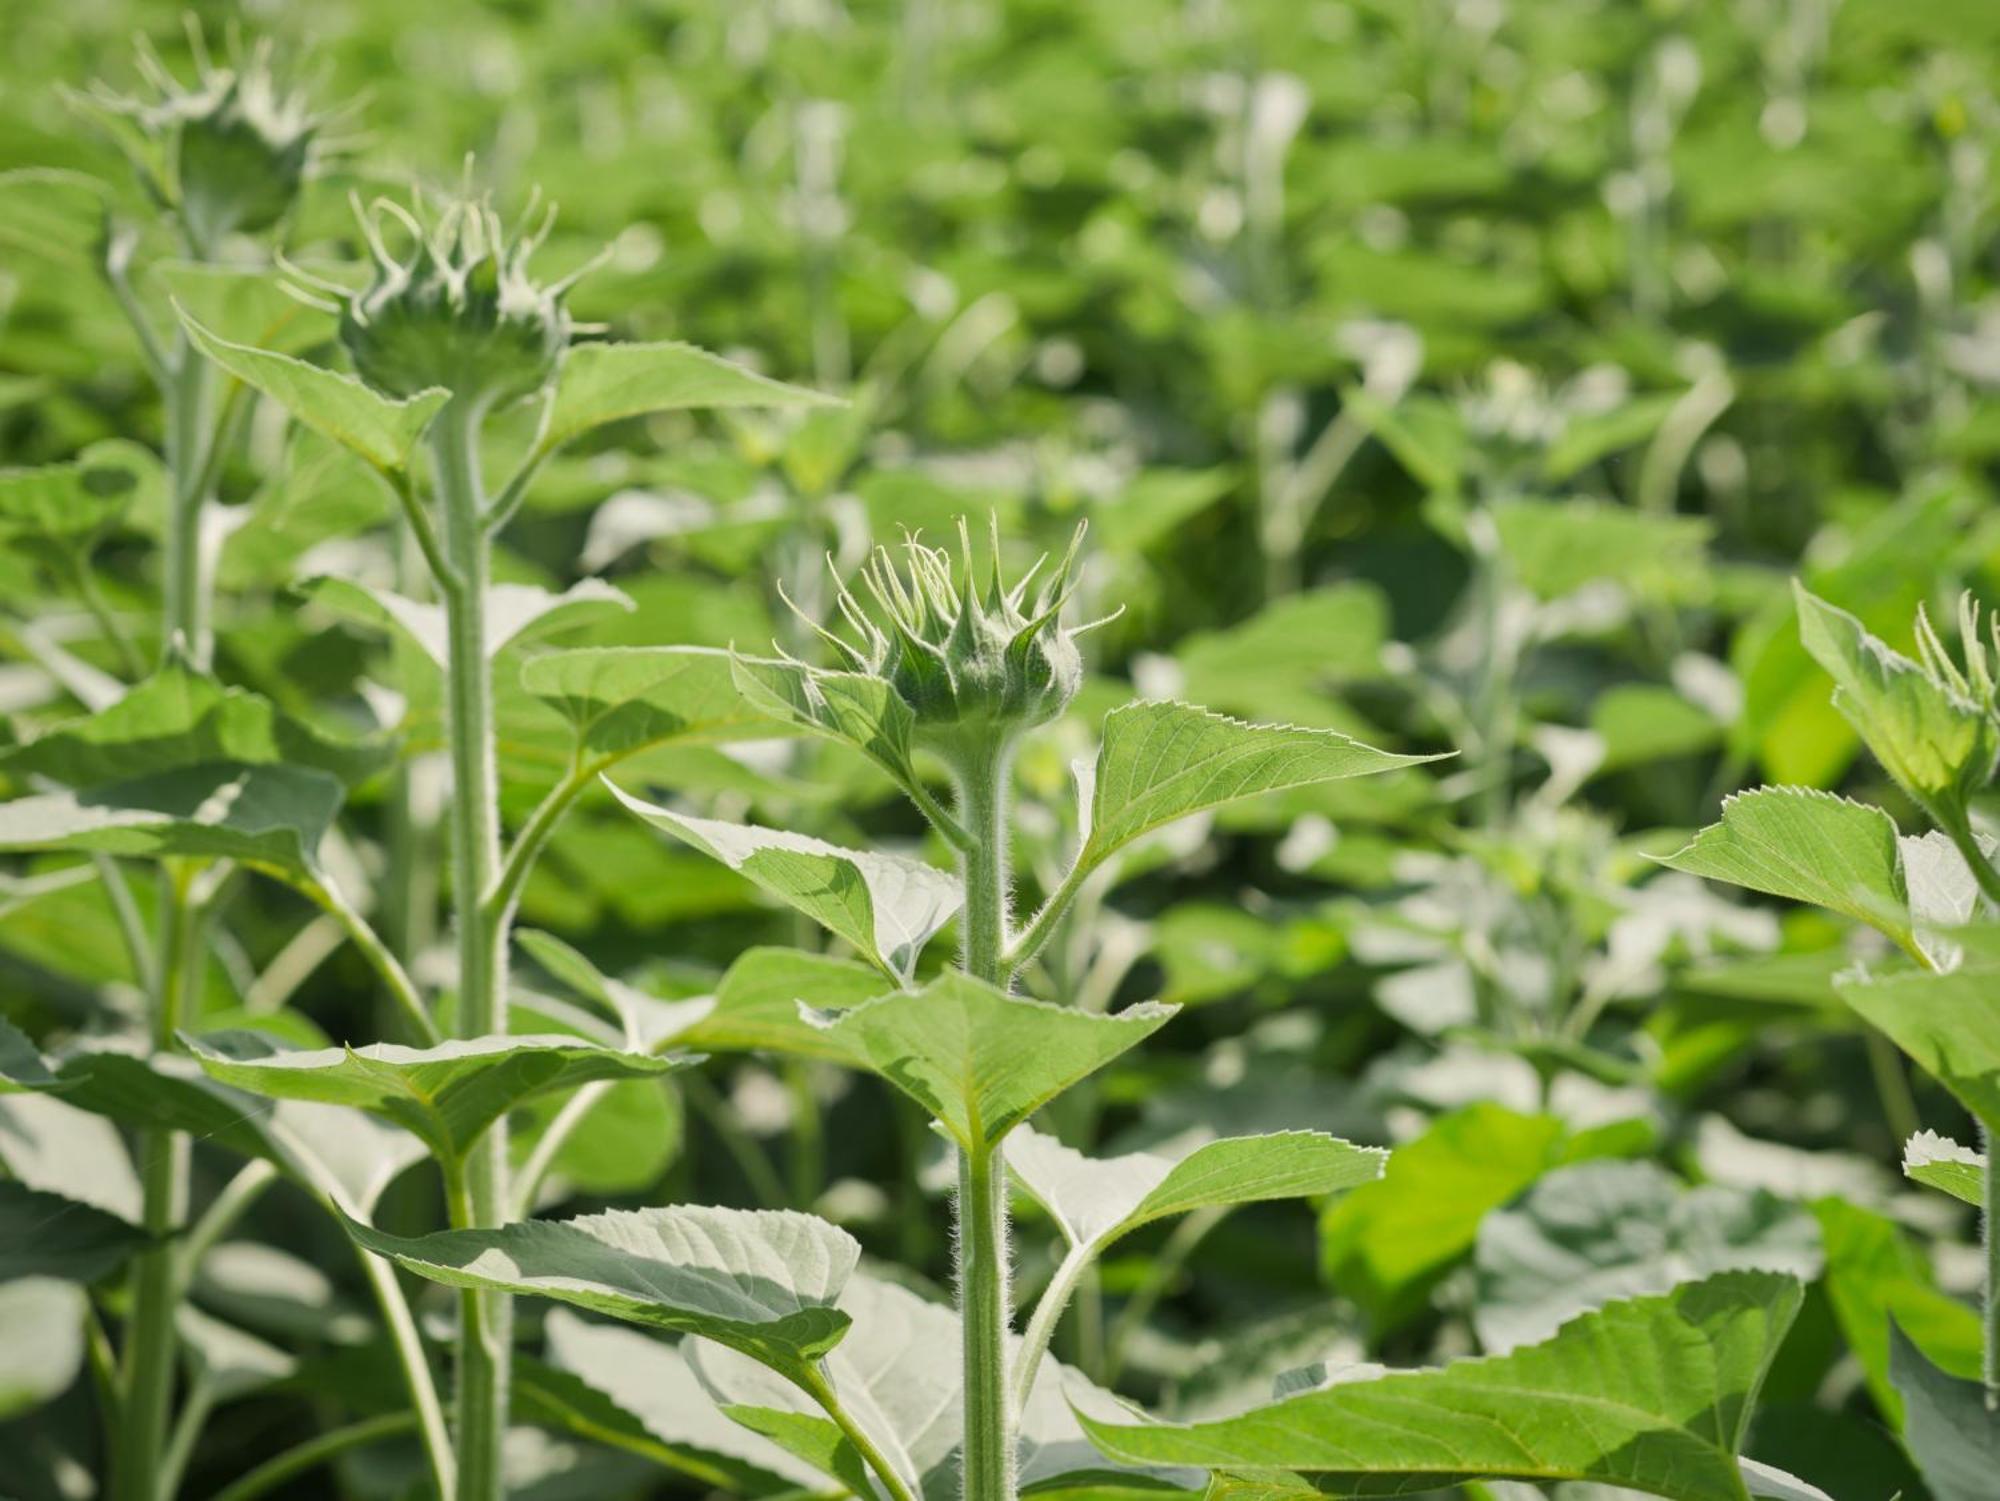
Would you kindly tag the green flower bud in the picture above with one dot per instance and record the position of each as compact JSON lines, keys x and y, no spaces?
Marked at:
{"x":228,"y":155}
{"x":977,"y":667}
{"x":459,"y":311}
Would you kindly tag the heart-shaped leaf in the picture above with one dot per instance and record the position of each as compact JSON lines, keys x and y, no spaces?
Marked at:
{"x":1943,"y":1164}
{"x":1808,"y":846}
{"x":605,"y":382}
{"x":1162,"y":761}
{"x":445,"y":1095}
{"x":515,"y":613}
{"x":1567,"y":1409}
{"x":334,"y":405}
{"x":619,"y":699}
{"x":760,"y":1281}
{"x":1587,"y":1235}
{"x":979,"y":1060}
{"x":888,"y":907}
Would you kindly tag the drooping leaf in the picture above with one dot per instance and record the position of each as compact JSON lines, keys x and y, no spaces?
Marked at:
{"x":979,"y":1060}
{"x":1943,"y":1164}
{"x":1808,"y":846}
{"x":863,"y":711}
{"x":1161,"y":761}
{"x":265,"y":815}
{"x":760,"y":1281}
{"x":514,"y":612}
{"x":340,"y":407}
{"x":1934,"y":742}
{"x":606,"y":382}
{"x":1094,"y":1201}
{"x":757,"y":1002}
{"x":621,"y":698}
{"x":1587,"y":1235}
{"x":445,"y":1095}
{"x":1951,"y":1433}
{"x":1572,"y":1408}
{"x":887,"y":906}
{"x":44,"y":1234}
{"x":177,"y":718}
{"x":1947,"y":1023}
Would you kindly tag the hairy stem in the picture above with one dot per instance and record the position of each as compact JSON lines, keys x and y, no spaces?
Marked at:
{"x":486,"y":1319}
{"x":984,"y":1306}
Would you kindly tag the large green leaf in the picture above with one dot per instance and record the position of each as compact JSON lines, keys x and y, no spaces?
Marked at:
{"x":334,"y":405}
{"x":44,"y":1234}
{"x":1159,"y":762}
{"x":515,"y":613}
{"x":887,"y":906}
{"x":445,"y":1095}
{"x":1576,"y":1407}
{"x":760,"y":1281}
{"x":265,"y":815}
{"x":606,"y":382}
{"x":1590,"y":1234}
{"x":177,"y":718}
{"x":67,"y":507}
{"x":1950,"y":1431}
{"x":1943,"y":1164}
{"x":979,"y":1060}
{"x":1808,"y":846}
{"x":757,"y":1002}
{"x":1933,"y":741}
{"x":1948,"y":1023}
{"x":619,"y":699}
{"x":1095,"y":1200}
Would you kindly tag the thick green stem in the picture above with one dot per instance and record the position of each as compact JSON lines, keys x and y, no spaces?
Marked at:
{"x":984,"y":1305}
{"x":983,"y":1314}
{"x":486,"y":1319}
{"x":150,"y":1344}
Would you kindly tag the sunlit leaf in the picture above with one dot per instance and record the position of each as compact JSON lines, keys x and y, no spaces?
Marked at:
{"x":606,"y":382}
{"x":1943,"y":1164}
{"x":1159,"y":762}
{"x":1947,"y":1023}
{"x":1566,"y":1409}
{"x":445,"y":1095}
{"x":334,"y":405}
{"x":760,"y":1281}
{"x":757,"y":1002}
{"x":887,"y":906}
{"x":41,"y":1341}
{"x":514,"y":612}
{"x":620,"y":698}
{"x":981,"y":1061}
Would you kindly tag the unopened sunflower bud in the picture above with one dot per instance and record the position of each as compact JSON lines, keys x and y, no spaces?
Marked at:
{"x":458,"y":311}
{"x":977,"y":664}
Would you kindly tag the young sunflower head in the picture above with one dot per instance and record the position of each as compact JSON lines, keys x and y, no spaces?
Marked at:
{"x":229,"y":153}
{"x":977,"y":664}
{"x":458,"y":310}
